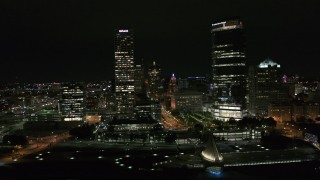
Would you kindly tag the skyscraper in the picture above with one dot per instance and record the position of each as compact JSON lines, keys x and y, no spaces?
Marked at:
{"x":124,"y":71}
{"x":172,"y":85}
{"x":154,"y":81}
{"x":266,"y":87}
{"x":229,"y":62}
{"x":72,"y":101}
{"x":139,"y":78}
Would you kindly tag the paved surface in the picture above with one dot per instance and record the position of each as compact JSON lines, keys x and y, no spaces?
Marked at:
{"x":35,"y":145}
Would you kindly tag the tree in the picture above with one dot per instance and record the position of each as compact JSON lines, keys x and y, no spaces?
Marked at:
{"x":301,"y":119}
{"x":205,"y":136}
{"x":217,"y":122}
{"x":175,"y":112}
{"x":232,"y":121}
{"x":249,"y":122}
{"x":269,"y":122}
{"x":15,"y":139}
{"x":170,"y":137}
{"x":158,"y":127}
{"x":83,"y":132}
{"x":198,"y":127}
{"x":309,"y":121}
{"x":110,"y":129}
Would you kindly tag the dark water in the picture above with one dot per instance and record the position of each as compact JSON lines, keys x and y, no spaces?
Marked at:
{"x":86,"y":165}
{"x":107,"y":170}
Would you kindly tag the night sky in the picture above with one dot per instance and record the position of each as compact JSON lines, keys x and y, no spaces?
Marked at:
{"x":63,"y":40}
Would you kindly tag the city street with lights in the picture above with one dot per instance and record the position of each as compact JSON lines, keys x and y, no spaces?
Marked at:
{"x":170,"y":122}
{"x":35,"y":145}
{"x":290,"y":130}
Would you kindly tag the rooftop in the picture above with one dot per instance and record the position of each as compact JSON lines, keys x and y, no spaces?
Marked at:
{"x":268,"y":63}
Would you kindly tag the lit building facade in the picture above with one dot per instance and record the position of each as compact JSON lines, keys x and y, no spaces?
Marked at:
{"x":183,"y":83}
{"x":195,"y":83}
{"x":136,"y":124}
{"x":152,"y":108}
{"x":139,"y":78}
{"x":187,"y":100}
{"x":266,"y":87}
{"x":172,"y":85}
{"x":198,"y":83}
{"x":124,"y":71}
{"x":154,"y":81}
{"x":229,"y":62}
{"x":225,"y":111}
{"x":71,"y":102}
{"x":280,"y":112}
{"x":294,"y":111}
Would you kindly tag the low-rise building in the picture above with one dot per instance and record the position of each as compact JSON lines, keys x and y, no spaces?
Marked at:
{"x":225,"y":111}
{"x":142,"y":123}
{"x":280,"y":112}
{"x":187,"y":100}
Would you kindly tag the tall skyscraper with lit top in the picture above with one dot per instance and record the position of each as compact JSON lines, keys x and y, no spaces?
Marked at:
{"x":124,"y":71}
{"x":154,"y":81}
{"x":229,"y":62}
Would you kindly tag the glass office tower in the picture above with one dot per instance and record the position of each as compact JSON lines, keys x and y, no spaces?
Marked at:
{"x":124,"y":71}
{"x":229,"y":62}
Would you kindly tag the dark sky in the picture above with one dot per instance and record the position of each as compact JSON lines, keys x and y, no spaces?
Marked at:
{"x":61,"y":40}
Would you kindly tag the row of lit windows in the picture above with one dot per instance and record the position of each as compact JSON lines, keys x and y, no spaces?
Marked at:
{"x":124,"y":78}
{"x":69,"y":91}
{"x":233,"y":64}
{"x":223,"y":45}
{"x":73,"y":119}
{"x":228,"y":114}
{"x":231,"y":56}
{"x":231,"y":75}
{"x":119,"y":58}
{"x":229,"y":107}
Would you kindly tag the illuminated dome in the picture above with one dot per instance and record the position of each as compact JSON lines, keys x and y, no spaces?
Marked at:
{"x":268,"y":62}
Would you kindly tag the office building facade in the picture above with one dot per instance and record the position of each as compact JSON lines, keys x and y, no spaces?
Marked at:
{"x":229,"y":62}
{"x":154,"y":81}
{"x":139,"y":78}
{"x":124,"y":71}
{"x":266,"y":87}
{"x":71,"y":102}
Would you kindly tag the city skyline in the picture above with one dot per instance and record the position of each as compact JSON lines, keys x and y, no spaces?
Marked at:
{"x":43,"y":41}
{"x":158,"y":89}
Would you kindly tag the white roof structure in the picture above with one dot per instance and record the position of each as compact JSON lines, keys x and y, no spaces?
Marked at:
{"x":268,"y":62}
{"x":211,"y":153}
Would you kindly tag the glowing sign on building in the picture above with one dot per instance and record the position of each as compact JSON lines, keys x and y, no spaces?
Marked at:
{"x":219,"y":23}
{"x":123,"y":30}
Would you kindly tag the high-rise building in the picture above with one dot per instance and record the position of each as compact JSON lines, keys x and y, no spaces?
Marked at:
{"x":187,"y":101}
{"x":124,"y":71}
{"x":266,"y":87}
{"x":146,"y":107}
{"x":154,"y":81}
{"x":195,"y":83}
{"x":172,"y":85}
{"x":139,"y":78}
{"x":229,"y":62}
{"x":183,"y":83}
{"x":72,"y":101}
{"x":198,"y":83}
